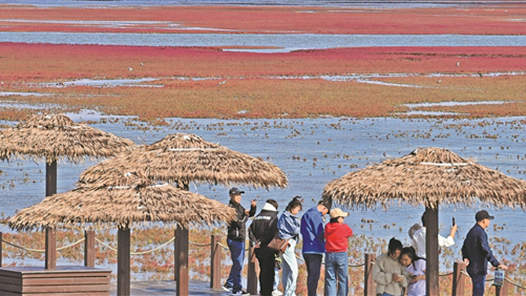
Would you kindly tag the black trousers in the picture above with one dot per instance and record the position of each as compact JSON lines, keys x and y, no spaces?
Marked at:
{"x":266,"y":270}
{"x":313,"y":262}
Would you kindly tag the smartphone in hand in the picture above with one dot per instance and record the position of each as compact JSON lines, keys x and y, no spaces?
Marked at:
{"x":453,"y":221}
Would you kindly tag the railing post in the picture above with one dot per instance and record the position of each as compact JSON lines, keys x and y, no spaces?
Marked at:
{"x":252,"y":277}
{"x":89,"y":248}
{"x":215,"y":262}
{"x":1,"y":250}
{"x":505,"y":288}
{"x":459,"y":282}
{"x":369,"y":288}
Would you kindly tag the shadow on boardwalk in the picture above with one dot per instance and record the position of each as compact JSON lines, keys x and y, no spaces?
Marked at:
{"x":157,"y":288}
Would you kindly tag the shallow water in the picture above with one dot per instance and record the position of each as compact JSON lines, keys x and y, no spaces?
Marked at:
{"x":138,"y":82}
{"x":453,"y":104}
{"x":313,"y":152}
{"x":283,"y":42}
{"x":22,"y":94}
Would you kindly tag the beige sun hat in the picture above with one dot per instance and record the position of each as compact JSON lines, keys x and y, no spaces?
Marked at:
{"x":337,"y":212}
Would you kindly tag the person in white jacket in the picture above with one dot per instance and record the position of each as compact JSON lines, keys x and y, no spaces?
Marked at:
{"x":417,"y":233}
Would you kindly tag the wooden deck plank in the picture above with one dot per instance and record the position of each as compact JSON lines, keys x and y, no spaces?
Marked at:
{"x":65,"y":289}
{"x":65,"y":281}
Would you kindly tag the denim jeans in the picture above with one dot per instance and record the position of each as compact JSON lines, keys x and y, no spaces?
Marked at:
{"x":289,"y":266}
{"x":276,"y":279}
{"x":336,"y":270}
{"x":313,"y":262}
{"x":237,"y":253}
{"x":478,"y":284}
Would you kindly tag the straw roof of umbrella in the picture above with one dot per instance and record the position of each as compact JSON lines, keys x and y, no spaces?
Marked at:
{"x":427,"y":176}
{"x":54,"y":137}
{"x":140,"y":202}
{"x":184,"y":158}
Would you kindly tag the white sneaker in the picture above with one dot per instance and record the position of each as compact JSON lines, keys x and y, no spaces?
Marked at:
{"x":226,"y":288}
{"x":241,"y":292}
{"x":277,"y":293}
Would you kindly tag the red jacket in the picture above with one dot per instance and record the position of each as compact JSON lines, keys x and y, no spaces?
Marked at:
{"x":336,"y":237}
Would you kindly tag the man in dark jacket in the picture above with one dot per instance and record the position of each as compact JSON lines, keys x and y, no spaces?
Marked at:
{"x":476,"y":252}
{"x":262,"y":230}
{"x":236,"y":240}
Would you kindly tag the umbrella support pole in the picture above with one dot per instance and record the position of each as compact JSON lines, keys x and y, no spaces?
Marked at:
{"x":181,"y":261}
{"x":51,"y":249}
{"x":432,"y":264}
{"x":51,"y":240}
{"x":89,"y":248}
{"x":1,"y":251}
{"x":123,"y":262}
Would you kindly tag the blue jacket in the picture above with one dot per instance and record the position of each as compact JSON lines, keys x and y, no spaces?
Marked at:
{"x":477,"y":250}
{"x":312,"y":232}
{"x":288,"y":226}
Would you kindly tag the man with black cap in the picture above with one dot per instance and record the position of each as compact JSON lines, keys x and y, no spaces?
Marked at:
{"x":236,"y":237}
{"x":476,"y":252}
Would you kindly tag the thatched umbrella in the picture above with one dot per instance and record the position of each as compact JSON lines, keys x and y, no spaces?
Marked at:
{"x":429,"y":177}
{"x":184,"y":158}
{"x":181,"y":159}
{"x":56,"y":137}
{"x":141,"y":201}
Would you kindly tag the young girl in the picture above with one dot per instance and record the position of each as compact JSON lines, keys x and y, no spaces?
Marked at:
{"x":416,"y":269}
{"x":289,"y":229}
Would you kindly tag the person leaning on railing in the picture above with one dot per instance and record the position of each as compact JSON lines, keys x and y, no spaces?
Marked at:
{"x":477,"y":253}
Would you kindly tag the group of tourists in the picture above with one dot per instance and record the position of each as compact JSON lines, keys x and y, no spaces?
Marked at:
{"x":274,"y":238}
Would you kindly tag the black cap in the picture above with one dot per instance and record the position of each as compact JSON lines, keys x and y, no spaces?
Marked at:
{"x":483,"y":214}
{"x":326,"y":202}
{"x":235,"y":191}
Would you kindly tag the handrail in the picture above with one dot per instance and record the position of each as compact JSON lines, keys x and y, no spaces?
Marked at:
{"x":41,"y":250}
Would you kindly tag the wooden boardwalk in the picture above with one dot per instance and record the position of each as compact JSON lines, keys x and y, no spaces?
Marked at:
{"x":166,"y":288}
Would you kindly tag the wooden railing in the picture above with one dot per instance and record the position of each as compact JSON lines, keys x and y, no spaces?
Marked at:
{"x":217,"y":252}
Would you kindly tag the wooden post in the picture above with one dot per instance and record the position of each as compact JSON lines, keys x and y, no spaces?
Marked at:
{"x":51,"y":239}
{"x":89,"y":248}
{"x":181,"y":261}
{"x":51,"y":249}
{"x":459,"y":281}
{"x":1,"y":243}
{"x":432,"y":265}
{"x":123,"y":262}
{"x":504,"y":290}
{"x":369,"y":287}
{"x":51,"y":178}
{"x":215,"y":262}
{"x":252,"y":276}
